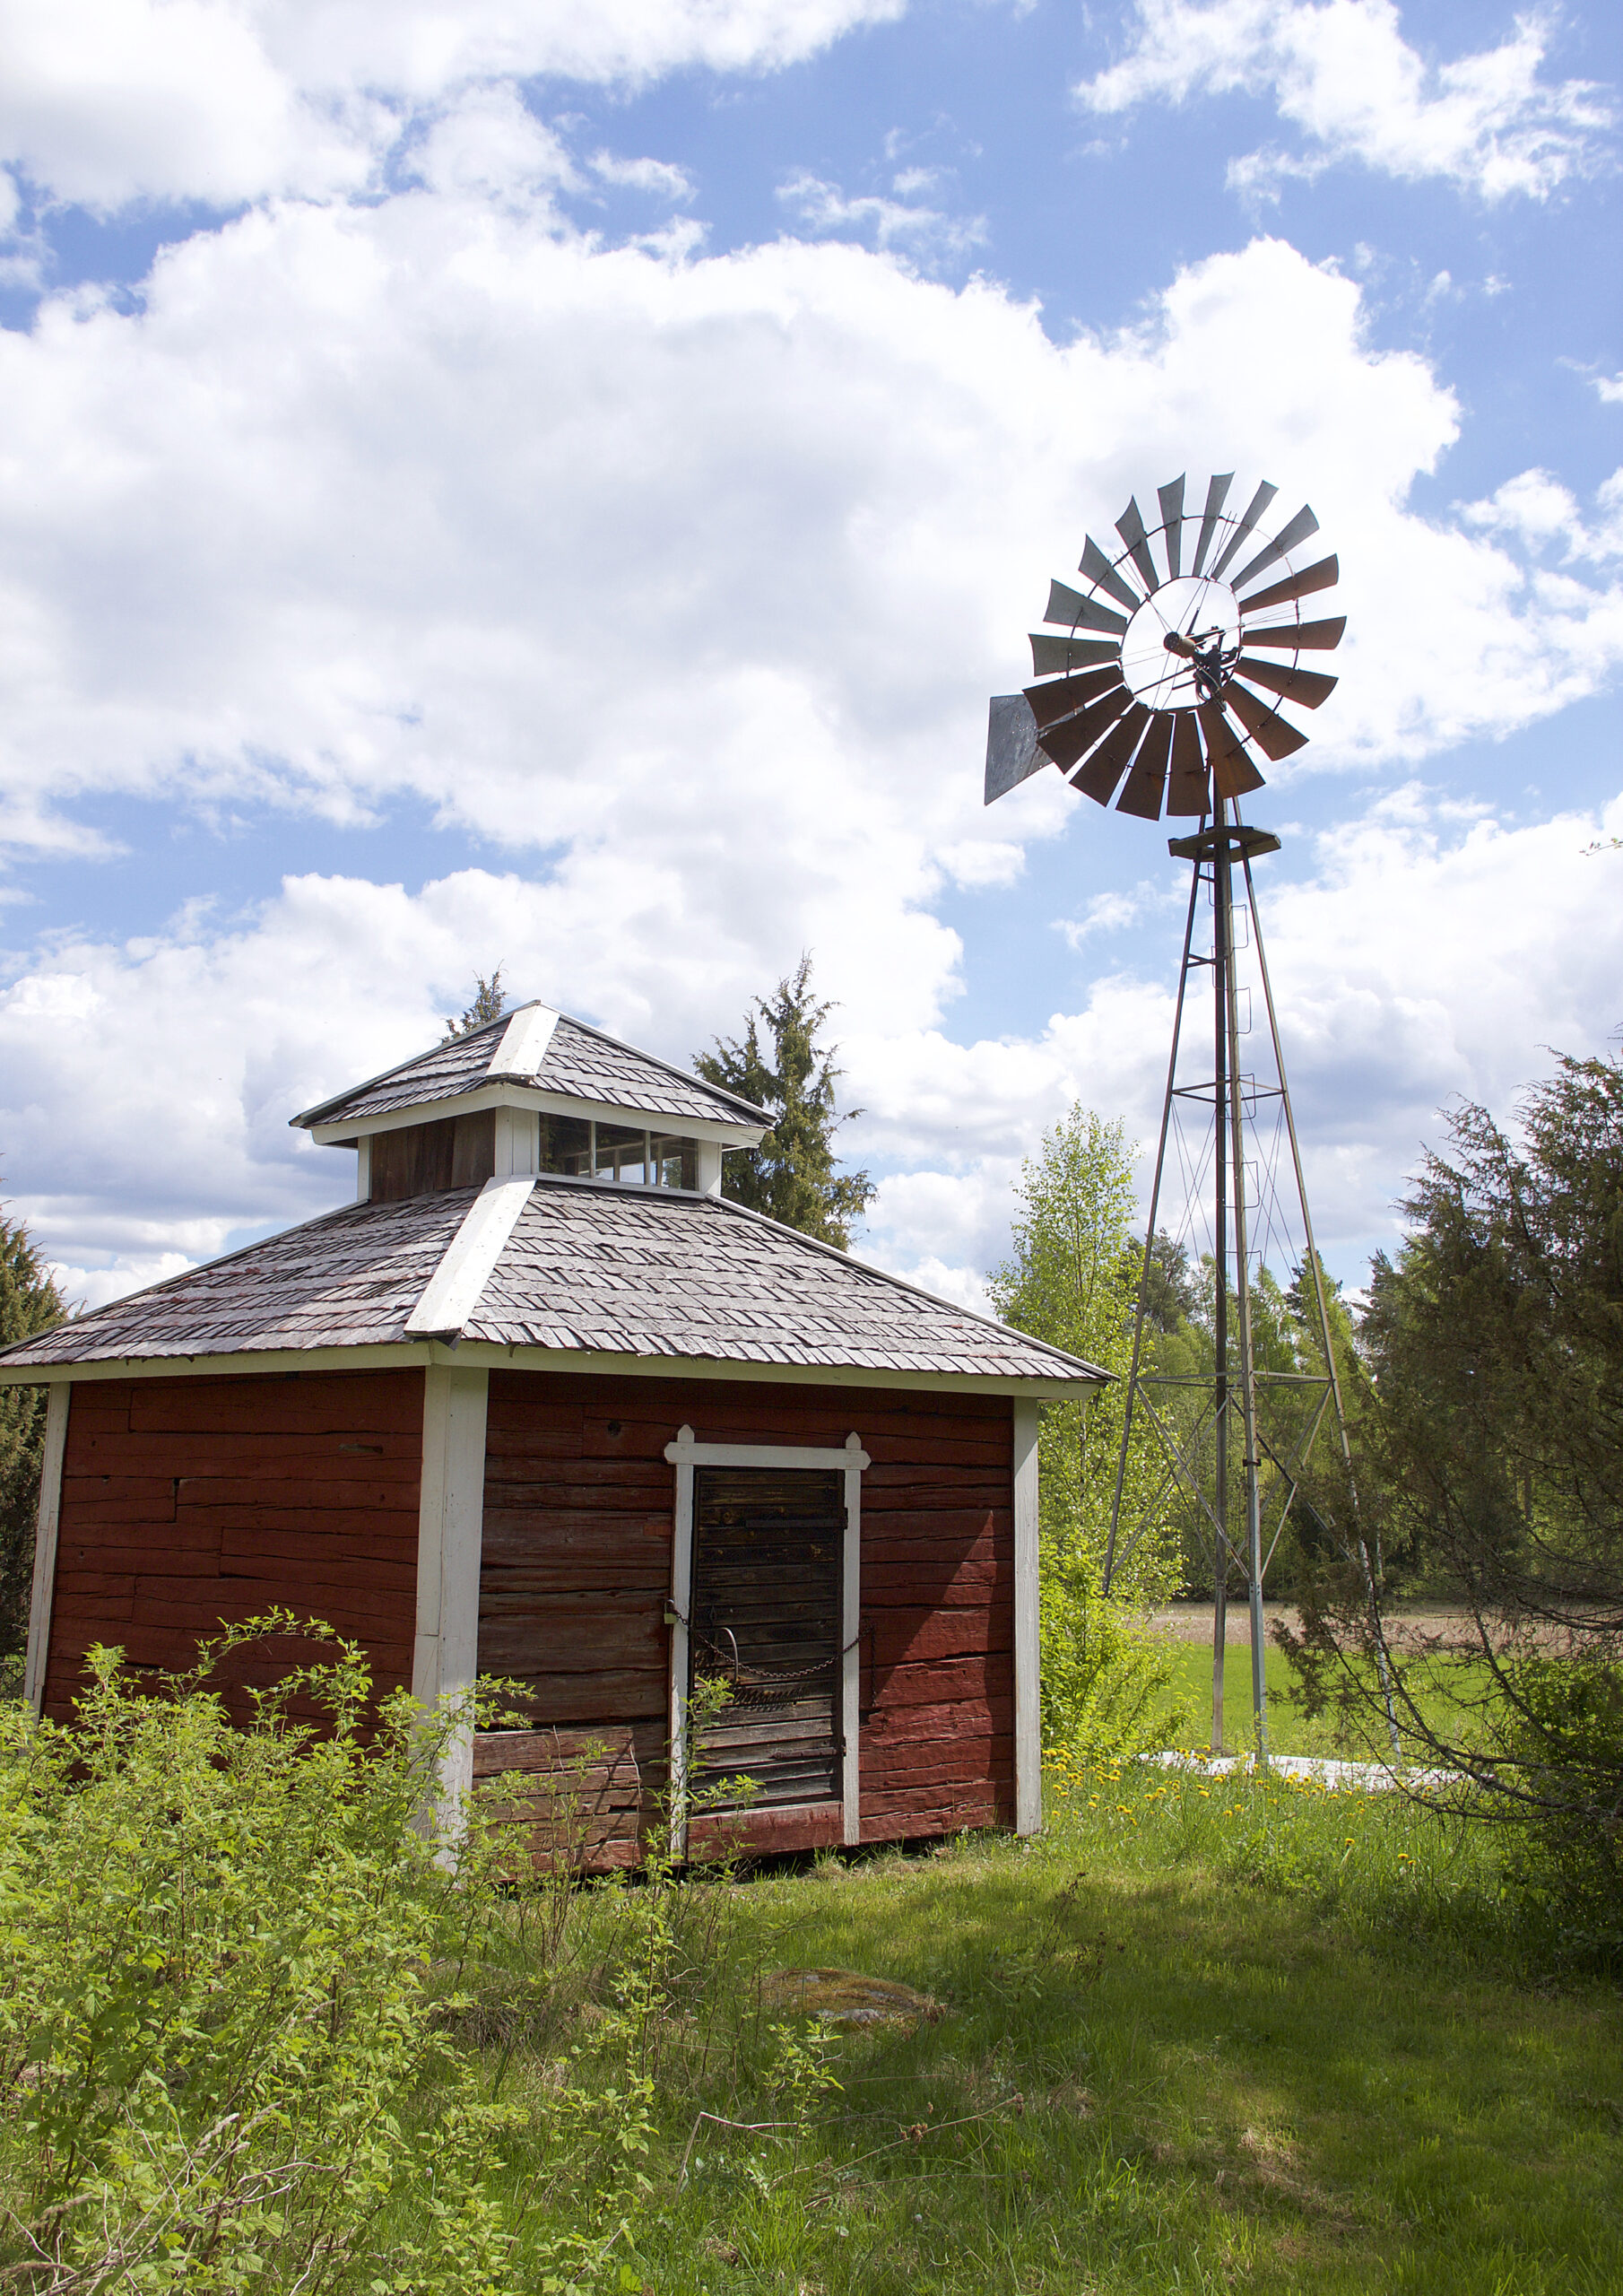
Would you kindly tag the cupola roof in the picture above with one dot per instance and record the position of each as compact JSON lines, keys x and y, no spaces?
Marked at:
{"x":530,"y":1051}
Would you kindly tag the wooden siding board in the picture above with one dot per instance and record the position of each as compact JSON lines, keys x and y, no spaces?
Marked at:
{"x":168,"y":1558}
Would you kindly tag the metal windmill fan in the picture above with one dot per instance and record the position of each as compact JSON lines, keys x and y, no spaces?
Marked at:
{"x":1165,"y":682}
{"x":1166,"y":685}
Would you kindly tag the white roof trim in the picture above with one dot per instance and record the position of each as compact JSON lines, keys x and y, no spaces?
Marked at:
{"x":455,"y":1289}
{"x":524,"y":1046}
{"x":346,"y":1132}
{"x":591,"y":1362}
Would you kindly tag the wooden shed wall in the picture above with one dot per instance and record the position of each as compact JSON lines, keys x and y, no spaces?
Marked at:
{"x":576,"y":1566}
{"x":188,"y":1502}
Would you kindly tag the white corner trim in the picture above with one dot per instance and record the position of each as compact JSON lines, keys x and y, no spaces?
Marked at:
{"x":1028,"y":1706}
{"x":850,"y":1643}
{"x":524,"y":1042}
{"x":363,"y":1170}
{"x":453,"y":1292}
{"x":44,"y":1543}
{"x":450,"y":1536}
{"x":708,"y":1173}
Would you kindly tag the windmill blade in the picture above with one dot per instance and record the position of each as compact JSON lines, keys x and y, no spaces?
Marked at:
{"x":1051,"y":657}
{"x":1075,"y":612}
{"x":1012,"y":751}
{"x":1247,"y":526}
{"x":1322,"y":577}
{"x":1100,"y":572}
{"x":1309,"y":687}
{"x":1186,"y":790}
{"x":1147,"y":780}
{"x":1233,"y":773}
{"x":1217,"y":494}
{"x":1271,"y":733}
{"x":1171,"y":499}
{"x":1287,"y":539}
{"x":1071,"y":741}
{"x":1130,"y":525}
{"x":1301,"y":637}
{"x":1106,"y":767}
{"x":1066,"y":696}
{"x":1235,"y":776}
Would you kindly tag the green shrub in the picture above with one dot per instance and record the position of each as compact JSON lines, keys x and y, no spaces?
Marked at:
{"x":218,"y":2017}
{"x":1562,"y":1727}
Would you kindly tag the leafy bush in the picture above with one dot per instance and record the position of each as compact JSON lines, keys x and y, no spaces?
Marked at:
{"x":1563,"y":1728}
{"x":218,"y":2015}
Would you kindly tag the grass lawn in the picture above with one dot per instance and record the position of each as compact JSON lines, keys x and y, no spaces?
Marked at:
{"x":1289,"y":1730}
{"x":1200,"y":2036}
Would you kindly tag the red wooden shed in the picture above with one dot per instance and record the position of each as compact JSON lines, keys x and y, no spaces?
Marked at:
{"x":542,"y":1403}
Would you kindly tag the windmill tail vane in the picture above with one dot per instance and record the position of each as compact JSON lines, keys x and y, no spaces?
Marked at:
{"x":1160,"y":685}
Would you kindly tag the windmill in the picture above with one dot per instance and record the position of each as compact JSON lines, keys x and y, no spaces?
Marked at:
{"x":1160,"y":685}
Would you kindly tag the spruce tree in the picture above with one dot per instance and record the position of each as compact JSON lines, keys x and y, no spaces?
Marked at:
{"x":792,"y":1177}
{"x":490,"y":1003}
{"x":29,"y":1302}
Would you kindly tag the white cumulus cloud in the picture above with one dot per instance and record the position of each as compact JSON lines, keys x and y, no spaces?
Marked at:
{"x":106,"y":101}
{"x":1342,"y":72}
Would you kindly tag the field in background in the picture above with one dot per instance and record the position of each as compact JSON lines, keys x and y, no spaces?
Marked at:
{"x":1185,"y":1630}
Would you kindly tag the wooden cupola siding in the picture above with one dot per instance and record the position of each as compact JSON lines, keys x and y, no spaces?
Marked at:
{"x":451,"y":1151}
{"x":187,"y":1501}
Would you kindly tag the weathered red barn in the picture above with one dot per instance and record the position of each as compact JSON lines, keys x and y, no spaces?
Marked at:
{"x":542,"y":1403}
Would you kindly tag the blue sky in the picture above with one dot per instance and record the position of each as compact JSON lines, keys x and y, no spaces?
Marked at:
{"x":514,"y":483}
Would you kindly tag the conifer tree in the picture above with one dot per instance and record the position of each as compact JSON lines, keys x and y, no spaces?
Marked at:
{"x":29,"y":1302}
{"x":792,"y":1177}
{"x":490,"y":1003}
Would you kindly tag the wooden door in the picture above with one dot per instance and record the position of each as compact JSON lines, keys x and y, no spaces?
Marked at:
{"x":765,"y":1619}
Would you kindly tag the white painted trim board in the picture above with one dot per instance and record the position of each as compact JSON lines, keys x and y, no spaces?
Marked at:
{"x":1028,"y":1687}
{"x":47,"y":1525}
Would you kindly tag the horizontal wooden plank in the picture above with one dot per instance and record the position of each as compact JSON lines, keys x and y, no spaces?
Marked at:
{"x":901,"y":1725}
{"x":939,"y":1762}
{"x":640,"y":1576}
{"x":580,"y":1636}
{"x":944,"y":1681}
{"x":944,"y":1582}
{"x":141,"y":1546}
{"x":931,"y":1809}
{"x":766,"y":1830}
{"x":395,"y":1454}
{"x":629,"y":1694}
{"x":920,"y":1637}
{"x":533,"y":1531}
{"x":372,"y":1549}
{"x":331,"y":1400}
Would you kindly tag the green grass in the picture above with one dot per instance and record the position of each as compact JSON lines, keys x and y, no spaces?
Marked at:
{"x":1435,"y":1683}
{"x":1203,"y":2035}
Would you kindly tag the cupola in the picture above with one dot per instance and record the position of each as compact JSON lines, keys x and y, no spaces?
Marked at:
{"x":536,"y":1091}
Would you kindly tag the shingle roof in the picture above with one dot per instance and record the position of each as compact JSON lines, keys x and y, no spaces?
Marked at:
{"x":579,"y":1062}
{"x":587,"y":1267}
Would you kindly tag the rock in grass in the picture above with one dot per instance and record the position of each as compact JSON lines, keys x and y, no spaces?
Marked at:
{"x":846,"y":1999}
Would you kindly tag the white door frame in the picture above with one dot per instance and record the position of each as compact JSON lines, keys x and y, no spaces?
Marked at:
{"x":685,"y":1454}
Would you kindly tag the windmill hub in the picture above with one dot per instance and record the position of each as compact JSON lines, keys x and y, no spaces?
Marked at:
{"x":1182,"y":639}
